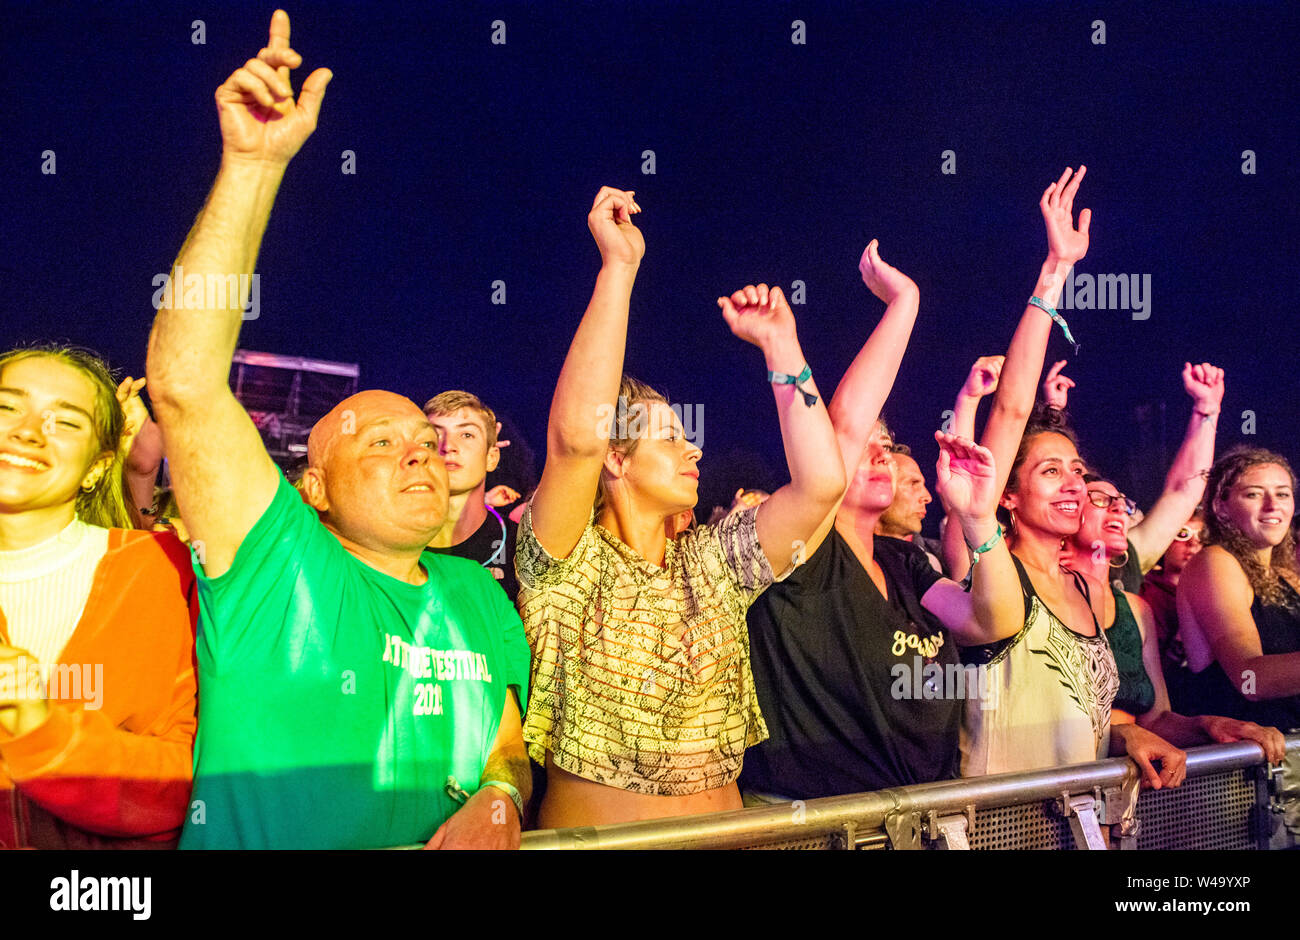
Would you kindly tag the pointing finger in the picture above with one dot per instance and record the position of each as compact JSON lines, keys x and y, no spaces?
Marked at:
{"x":279,"y":30}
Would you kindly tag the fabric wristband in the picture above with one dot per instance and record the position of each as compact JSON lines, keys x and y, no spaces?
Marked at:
{"x":987,"y":546}
{"x":1043,"y":305}
{"x":780,"y":378}
{"x":511,"y":790}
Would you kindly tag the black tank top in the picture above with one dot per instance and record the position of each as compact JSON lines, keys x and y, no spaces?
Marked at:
{"x":1279,"y":632}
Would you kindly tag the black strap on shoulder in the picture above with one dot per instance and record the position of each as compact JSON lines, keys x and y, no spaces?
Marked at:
{"x":1081,"y":584}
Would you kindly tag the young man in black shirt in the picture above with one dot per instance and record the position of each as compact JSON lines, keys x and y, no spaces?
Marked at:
{"x":467,"y":442}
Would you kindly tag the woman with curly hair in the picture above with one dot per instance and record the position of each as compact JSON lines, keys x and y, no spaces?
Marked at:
{"x":1239,"y":598}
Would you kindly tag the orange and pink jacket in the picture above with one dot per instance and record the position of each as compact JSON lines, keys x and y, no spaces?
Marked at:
{"x":117,"y":776}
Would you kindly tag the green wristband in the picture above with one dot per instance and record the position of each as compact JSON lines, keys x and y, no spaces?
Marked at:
{"x":987,"y":546}
{"x":1047,"y":308}
{"x":780,"y":378}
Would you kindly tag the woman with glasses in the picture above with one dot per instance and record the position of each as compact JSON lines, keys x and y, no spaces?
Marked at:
{"x":1149,"y":535}
{"x":1102,"y":539}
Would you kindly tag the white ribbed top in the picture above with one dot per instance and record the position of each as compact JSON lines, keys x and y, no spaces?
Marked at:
{"x":43,"y":589}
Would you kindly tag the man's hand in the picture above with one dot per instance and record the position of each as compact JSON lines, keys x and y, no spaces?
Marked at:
{"x":1205,"y":384}
{"x":885,"y":281}
{"x":259,"y":118}
{"x":610,"y":221}
{"x":1056,"y":387}
{"x":1064,"y":243}
{"x":1143,"y":747}
{"x":758,"y":315}
{"x":983,"y":377}
{"x":1230,"y":730}
{"x":488,"y":820}
{"x":22,"y":704}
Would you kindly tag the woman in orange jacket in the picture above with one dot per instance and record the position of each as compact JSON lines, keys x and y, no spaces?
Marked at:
{"x":97,"y":687}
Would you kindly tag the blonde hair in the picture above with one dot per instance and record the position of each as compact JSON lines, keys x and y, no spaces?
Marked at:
{"x":105,"y":503}
{"x":446,"y":403}
{"x":623,"y":432}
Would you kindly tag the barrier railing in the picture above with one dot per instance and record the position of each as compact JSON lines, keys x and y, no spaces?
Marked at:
{"x":1231,"y":799}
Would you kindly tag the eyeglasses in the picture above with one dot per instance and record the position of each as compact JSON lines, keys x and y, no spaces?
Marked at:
{"x":1186,"y":534}
{"x":1105,"y":500}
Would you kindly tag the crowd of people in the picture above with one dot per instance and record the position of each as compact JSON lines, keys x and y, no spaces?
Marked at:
{"x":380,"y":652}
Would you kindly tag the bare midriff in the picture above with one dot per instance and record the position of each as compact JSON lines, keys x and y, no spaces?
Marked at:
{"x":573,"y":801}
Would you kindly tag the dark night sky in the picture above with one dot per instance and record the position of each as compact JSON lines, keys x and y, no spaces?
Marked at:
{"x":775,"y":161}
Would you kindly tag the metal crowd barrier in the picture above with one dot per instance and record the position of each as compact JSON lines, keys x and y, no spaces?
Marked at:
{"x":1230,"y":800}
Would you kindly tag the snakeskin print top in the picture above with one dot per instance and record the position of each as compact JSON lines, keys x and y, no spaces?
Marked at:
{"x":640,"y":675}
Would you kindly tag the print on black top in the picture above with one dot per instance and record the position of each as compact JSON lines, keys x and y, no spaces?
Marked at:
{"x":824,"y":643}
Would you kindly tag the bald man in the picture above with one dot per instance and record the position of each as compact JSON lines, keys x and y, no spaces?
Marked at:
{"x":355,"y":689}
{"x":902,"y":520}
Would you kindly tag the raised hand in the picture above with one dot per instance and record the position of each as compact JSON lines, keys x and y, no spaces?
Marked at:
{"x":500,"y":496}
{"x":983,"y":377}
{"x":885,"y":281}
{"x":1056,"y":387}
{"x":1064,"y":242}
{"x":758,"y":315}
{"x":610,"y":221}
{"x":966,"y":479}
{"x":259,"y":119}
{"x":1205,"y":384}
{"x":128,"y":396}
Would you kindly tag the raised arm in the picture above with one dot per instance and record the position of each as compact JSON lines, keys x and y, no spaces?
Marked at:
{"x":221,"y":473}
{"x":589,"y":380}
{"x":1018,"y":384}
{"x":1185,"y":482}
{"x":860,"y":396}
{"x":855,"y":407}
{"x":794,"y":513}
{"x":142,"y":447}
{"x":982,"y":381}
{"x":994,"y":608}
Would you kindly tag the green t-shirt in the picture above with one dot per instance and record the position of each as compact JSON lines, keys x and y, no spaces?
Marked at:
{"x":336,"y":700}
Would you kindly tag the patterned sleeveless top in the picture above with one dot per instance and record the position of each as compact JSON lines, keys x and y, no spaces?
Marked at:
{"x":1049,"y":695}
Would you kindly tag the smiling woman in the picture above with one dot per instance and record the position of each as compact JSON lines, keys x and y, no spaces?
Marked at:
{"x":69,"y":393}
{"x":63,"y":542}
{"x":1239,"y":598}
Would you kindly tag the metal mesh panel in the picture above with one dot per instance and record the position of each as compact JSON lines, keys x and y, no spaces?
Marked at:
{"x":1204,"y":813}
{"x":1028,"y":826}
